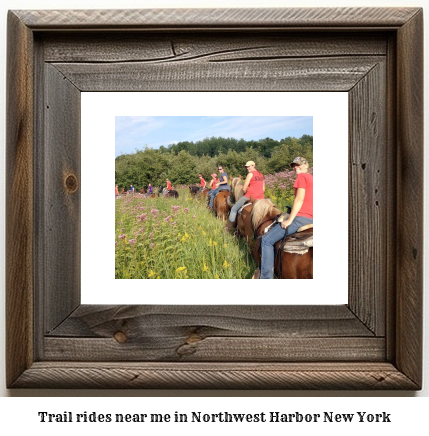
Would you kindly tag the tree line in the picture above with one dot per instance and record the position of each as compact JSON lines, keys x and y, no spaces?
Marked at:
{"x":182,"y":162}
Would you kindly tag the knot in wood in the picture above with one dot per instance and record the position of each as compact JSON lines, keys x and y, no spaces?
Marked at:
{"x":71,"y":183}
{"x":120,"y":337}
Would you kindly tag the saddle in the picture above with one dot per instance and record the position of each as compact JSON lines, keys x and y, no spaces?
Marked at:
{"x":296,"y":243}
{"x":299,"y":242}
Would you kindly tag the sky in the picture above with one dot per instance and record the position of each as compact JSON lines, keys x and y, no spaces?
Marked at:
{"x":137,"y":132}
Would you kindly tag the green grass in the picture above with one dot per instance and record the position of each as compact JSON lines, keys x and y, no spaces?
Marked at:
{"x":167,"y":238}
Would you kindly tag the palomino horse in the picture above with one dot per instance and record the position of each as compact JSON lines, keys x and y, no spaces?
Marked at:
{"x":220,"y":204}
{"x":286,"y":265}
{"x":237,"y":189}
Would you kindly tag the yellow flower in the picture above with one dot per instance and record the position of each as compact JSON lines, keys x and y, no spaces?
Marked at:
{"x":186,"y":235}
{"x":214,"y":243}
{"x":206,"y":268}
{"x":217,"y":276}
{"x":210,"y":242}
{"x":150,"y":274}
{"x":180,"y":269}
{"x":226,"y":264}
{"x":225,"y":245}
{"x":204,"y":233}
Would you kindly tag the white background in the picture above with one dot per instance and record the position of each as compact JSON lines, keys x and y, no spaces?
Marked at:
{"x":330,"y":129}
{"x":18,"y":413}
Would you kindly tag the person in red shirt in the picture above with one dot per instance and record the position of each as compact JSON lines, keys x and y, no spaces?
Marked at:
{"x":254,"y":186}
{"x":214,"y":181}
{"x":168,"y":185}
{"x":301,"y":214}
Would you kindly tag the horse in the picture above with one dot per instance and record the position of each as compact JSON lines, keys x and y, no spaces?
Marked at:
{"x":286,"y":265}
{"x":220,"y":204}
{"x":237,"y":188}
{"x":244,"y":222}
{"x":194,"y":190}
{"x":203,"y":193}
{"x":171,"y":194}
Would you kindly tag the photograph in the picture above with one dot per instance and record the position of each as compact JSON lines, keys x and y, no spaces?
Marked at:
{"x":89,"y":91}
{"x":230,"y":198}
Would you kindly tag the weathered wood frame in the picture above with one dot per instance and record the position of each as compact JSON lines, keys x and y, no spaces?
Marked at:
{"x":374,"y":342}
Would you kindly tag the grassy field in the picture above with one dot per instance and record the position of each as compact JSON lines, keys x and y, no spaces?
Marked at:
{"x":168,"y":238}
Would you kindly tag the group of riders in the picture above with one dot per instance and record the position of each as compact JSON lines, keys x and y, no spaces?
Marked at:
{"x":254,"y":188}
{"x":161,"y":190}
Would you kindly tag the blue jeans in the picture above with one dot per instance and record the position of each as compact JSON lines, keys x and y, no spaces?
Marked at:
{"x":232,"y":215}
{"x":270,"y":238}
{"x":214,"y":192}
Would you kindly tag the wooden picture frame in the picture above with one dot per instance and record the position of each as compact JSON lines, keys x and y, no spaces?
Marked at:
{"x":373,"y":342}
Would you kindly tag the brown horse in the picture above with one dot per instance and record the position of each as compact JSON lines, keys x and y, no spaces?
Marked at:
{"x":286,"y":265}
{"x":203,"y":194}
{"x":220,"y":205}
{"x":172,"y":194}
{"x":244,"y":223}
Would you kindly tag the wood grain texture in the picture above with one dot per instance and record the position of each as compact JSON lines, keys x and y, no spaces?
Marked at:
{"x":368,"y":199}
{"x":61,"y":206}
{"x":215,"y":376}
{"x":207,"y":18}
{"x":330,"y":74}
{"x":409,"y":273}
{"x":374,"y":343}
{"x":19,"y":200}
{"x":179,"y":47}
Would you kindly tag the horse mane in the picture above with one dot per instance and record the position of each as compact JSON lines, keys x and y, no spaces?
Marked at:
{"x":237,"y":188}
{"x":261,"y":209}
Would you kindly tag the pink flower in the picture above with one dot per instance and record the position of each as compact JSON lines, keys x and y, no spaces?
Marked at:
{"x":132,"y":241}
{"x":152,"y":246}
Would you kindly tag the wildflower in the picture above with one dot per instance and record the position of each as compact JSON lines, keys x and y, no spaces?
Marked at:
{"x":150,"y":235}
{"x":152,"y":246}
{"x":214,"y":243}
{"x":217,"y":277}
{"x":206,"y":268}
{"x":132,"y":241}
{"x":154,"y":212}
{"x":122,"y":236}
{"x":225,"y":245}
{"x":204,"y":233}
{"x":186,"y":210}
{"x":167,"y":219}
{"x":151,"y":274}
{"x":226,"y":264}
{"x":194,"y":216}
{"x":180,"y":269}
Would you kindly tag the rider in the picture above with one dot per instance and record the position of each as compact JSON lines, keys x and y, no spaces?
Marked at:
{"x":149,"y":190}
{"x":222,"y":185}
{"x":301,"y":214}
{"x":254,"y":186}
{"x":202,"y":181}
